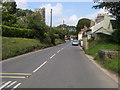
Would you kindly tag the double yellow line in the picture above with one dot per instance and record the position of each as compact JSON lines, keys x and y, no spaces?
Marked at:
{"x":14,"y":75}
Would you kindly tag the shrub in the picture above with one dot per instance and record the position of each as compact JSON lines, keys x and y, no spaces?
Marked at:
{"x":116,"y":36}
{"x":17,"y":32}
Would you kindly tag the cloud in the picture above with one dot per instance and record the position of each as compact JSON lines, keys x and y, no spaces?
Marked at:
{"x":71,"y":20}
{"x":58,"y":15}
{"x":57,"y":11}
{"x":21,"y":4}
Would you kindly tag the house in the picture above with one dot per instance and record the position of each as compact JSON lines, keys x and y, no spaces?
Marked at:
{"x":104,"y":26}
{"x":85,"y":30}
{"x":80,"y":38}
{"x":81,"y":34}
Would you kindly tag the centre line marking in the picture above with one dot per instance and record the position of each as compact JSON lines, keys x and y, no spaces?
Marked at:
{"x":40,"y":66}
{"x":58,"y":51}
{"x":52,"y":56}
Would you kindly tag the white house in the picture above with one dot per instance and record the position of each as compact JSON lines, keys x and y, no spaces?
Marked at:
{"x":103,"y":26}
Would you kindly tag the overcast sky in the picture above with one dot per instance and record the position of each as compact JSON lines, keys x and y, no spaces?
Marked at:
{"x":70,"y":11}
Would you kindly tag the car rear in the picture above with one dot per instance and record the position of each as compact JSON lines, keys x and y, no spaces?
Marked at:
{"x":75,"y":43}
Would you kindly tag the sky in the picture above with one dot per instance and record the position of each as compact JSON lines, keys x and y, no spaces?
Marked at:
{"x":69,"y":11}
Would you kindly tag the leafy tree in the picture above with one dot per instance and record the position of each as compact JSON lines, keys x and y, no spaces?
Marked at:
{"x":21,"y":12}
{"x":112,"y":7}
{"x":62,"y":26}
{"x":71,"y":30}
{"x":8,"y":13}
{"x":35,"y":22}
{"x":81,"y":23}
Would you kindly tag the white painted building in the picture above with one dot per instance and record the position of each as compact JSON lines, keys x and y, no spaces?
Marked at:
{"x":80,"y":38}
{"x":104,"y":26}
{"x":80,"y":35}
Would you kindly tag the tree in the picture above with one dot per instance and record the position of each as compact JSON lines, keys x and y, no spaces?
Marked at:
{"x":8,"y":13}
{"x":112,"y":7}
{"x":81,"y":23}
{"x":25,"y":12}
{"x":35,"y":22}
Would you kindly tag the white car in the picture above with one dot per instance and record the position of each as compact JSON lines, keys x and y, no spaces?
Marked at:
{"x":75,"y":42}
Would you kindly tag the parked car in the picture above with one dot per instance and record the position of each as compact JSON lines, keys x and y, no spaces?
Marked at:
{"x":75,"y":42}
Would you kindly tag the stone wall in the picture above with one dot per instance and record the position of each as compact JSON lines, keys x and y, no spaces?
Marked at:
{"x":85,"y":43}
{"x":106,"y":54}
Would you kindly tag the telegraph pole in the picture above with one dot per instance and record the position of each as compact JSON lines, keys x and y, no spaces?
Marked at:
{"x":52,"y":36}
{"x":51,"y":18}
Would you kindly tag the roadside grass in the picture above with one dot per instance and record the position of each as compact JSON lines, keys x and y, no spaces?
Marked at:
{"x":95,"y":46}
{"x":110,"y":64}
{"x":58,"y":41}
{"x":16,"y":46}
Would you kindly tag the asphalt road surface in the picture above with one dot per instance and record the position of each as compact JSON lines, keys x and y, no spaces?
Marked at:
{"x":61,"y":66}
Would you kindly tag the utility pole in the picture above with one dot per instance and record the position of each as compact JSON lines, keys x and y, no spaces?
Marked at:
{"x":52,"y":36}
{"x":63,"y":22}
{"x":51,"y":18}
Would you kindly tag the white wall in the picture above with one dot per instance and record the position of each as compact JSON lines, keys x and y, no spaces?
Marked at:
{"x":79,"y":36}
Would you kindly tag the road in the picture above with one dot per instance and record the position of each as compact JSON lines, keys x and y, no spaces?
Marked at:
{"x":61,"y":66}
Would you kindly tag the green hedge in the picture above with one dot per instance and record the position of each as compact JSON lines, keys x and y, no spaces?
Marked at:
{"x":12,"y":46}
{"x":17,"y":32}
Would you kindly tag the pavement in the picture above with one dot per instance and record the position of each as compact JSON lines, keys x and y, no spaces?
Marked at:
{"x":61,"y":66}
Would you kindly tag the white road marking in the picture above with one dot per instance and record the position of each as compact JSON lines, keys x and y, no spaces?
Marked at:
{"x":5,"y":84}
{"x":58,"y":51}
{"x":16,"y":86}
{"x":52,"y":56}
{"x":62,"y":48}
{"x":2,"y":83}
{"x":11,"y":84}
{"x":40,"y":66}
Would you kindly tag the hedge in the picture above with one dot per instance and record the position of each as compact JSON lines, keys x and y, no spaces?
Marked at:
{"x":17,"y":32}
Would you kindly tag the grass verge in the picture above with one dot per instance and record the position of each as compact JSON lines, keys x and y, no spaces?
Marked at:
{"x":58,"y":41}
{"x":110,"y":64}
{"x":16,"y":46}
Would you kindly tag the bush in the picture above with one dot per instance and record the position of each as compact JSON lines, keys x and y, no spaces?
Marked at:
{"x":116,"y":36}
{"x":105,"y":37}
{"x":17,"y":32}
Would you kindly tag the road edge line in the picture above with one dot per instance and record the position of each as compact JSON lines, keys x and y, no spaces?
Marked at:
{"x":111,"y":75}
